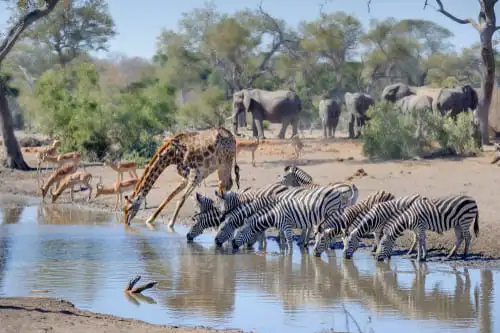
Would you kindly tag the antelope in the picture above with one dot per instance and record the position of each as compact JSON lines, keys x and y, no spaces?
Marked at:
{"x":50,"y":150}
{"x":247,"y":145}
{"x":297,"y":144}
{"x":62,"y":159}
{"x":122,"y":167}
{"x":56,"y":176}
{"x":117,"y":188}
{"x":81,"y":177}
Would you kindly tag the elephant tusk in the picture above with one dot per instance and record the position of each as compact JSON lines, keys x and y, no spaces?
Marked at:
{"x":231,"y":117}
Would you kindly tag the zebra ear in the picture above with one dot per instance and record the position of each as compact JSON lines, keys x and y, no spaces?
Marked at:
{"x":198,"y":197}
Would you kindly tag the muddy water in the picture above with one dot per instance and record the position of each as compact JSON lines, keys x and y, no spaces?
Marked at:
{"x":88,"y":257}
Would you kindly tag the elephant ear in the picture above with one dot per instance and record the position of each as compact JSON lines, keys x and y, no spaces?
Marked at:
{"x":247,"y":99}
{"x":471,"y":97}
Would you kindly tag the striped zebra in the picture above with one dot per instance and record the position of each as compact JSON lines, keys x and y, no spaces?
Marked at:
{"x":235,"y":218}
{"x":302,"y":211}
{"x":438,"y":215}
{"x":231,"y":200}
{"x":207,"y":217}
{"x":295,"y":177}
{"x":337,"y":224}
{"x":374,"y":221}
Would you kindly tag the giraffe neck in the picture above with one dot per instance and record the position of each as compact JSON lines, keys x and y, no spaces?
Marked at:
{"x":152,"y":173}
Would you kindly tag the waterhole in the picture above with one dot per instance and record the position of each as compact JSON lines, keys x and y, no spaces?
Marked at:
{"x":87,"y":257}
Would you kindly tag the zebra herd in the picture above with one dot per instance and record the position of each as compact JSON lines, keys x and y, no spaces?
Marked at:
{"x":331,"y":211}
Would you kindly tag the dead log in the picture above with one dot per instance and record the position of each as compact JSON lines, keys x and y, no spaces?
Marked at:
{"x":139,"y":289}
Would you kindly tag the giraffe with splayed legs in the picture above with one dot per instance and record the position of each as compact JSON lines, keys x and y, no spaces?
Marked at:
{"x":196,"y":156}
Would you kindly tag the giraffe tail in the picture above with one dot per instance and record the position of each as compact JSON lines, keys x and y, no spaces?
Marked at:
{"x":236,"y":173}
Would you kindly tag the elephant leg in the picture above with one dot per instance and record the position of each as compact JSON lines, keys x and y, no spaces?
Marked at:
{"x":325,"y":127}
{"x":255,"y":132}
{"x":335,"y":122}
{"x":295,"y":125}
{"x":284,"y":125}
{"x":260,"y":128}
{"x":351,"y":126}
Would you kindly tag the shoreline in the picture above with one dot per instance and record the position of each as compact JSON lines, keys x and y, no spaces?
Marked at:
{"x":32,"y":314}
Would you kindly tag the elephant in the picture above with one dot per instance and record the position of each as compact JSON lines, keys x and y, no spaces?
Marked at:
{"x":396,"y":91}
{"x":456,"y":100}
{"x":280,"y":106}
{"x":419,"y":103}
{"x":329,"y":112}
{"x":357,"y":104}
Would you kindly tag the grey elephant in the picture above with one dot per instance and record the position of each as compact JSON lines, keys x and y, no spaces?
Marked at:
{"x":329,"y":113}
{"x":357,"y":104}
{"x":280,"y":106}
{"x":420,"y":104}
{"x":456,"y":100}
{"x":396,"y":91}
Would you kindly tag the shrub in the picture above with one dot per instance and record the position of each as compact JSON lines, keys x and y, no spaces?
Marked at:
{"x":391,"y":135}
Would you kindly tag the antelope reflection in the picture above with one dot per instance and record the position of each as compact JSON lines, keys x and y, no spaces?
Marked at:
{"x":61,"y":215}
{"x":12,"y":215}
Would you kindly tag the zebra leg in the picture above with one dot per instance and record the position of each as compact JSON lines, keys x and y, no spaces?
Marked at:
{"x":422,"y":246}
{"x":467,"y":237}
{"x":304,"y":237}
{"x":378,"y":236}
{"x":412,"y":247}
{"x":458,"y":242}
{"x":288,"y":233}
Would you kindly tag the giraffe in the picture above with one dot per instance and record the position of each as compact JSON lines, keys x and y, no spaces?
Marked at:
{"x":196,"y":155}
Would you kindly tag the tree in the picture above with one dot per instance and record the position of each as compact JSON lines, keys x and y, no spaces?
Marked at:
{"x":29,"y":12}
{"x":84,"y":26}
{"x":486,"y":27}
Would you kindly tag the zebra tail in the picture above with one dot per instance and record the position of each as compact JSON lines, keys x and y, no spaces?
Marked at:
{"x":476,"y":224}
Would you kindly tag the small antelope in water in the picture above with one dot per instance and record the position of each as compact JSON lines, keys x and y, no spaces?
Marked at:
{"x":77,"y":178}
{"x":247,"y":145}
{"x":117,"y":188}
{"x":56,"y":176}
{"x":122,"y":167}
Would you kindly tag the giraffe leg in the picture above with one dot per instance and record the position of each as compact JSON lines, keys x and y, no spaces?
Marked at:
{"x":167,"y":200}
{"x":190,"y":188}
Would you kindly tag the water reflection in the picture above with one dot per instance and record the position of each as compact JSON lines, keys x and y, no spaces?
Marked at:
{"x":88,"y":258}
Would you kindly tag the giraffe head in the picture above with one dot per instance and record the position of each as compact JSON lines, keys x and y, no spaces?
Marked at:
{"x":132,"y":207}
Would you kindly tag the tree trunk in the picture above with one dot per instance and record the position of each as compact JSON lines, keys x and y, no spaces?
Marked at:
{"x":487,"y":81}
{"x":13,"y":157}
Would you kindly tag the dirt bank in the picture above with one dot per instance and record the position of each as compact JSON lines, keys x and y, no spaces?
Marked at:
{"x":335,"y":160}
{"x":41,"y":314}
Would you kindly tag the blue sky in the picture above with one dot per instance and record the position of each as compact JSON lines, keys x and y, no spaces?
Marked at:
{"x":139,"y":25}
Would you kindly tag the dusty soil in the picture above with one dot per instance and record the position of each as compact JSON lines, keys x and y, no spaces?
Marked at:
{"x":41,"y":314}
{"x":332,"y":160}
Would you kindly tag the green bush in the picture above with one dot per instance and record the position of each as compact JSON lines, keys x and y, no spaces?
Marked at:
{"x":209,"y":110}
{"x":391,"y":135}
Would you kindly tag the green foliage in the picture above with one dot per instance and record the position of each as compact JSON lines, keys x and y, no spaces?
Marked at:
{"x":391,"y":135}
{"x":209,"y":110}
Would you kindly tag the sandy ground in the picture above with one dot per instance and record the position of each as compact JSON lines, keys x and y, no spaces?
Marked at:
{"x":327,"y":161}
{"x":40,"y":314}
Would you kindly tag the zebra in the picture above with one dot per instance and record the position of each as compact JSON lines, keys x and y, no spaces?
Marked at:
{"x":231,"y":200}
{"x":297,"y":177}
{"x":373,"y":222}
{"x":335,"y":224}
{"x":438,"y":215}
{"x":207,"y":217}
{"x":235,"y":218}
{"x":302,"y":211}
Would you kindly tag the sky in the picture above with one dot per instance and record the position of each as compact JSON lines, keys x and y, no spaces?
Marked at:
{"x":138,"y":26}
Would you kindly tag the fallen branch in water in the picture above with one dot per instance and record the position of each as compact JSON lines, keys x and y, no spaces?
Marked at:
{"x":139,"y":289}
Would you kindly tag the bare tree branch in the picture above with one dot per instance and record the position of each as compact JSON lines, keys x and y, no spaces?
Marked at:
{"x":446,"y":13}
{"x":15,"y":32}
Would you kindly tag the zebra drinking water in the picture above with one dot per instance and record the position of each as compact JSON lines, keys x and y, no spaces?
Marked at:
{"x":339,"y":223}
{"x":438,"y":215}
{"x":373,"y":222}
{"x":303,"y":211}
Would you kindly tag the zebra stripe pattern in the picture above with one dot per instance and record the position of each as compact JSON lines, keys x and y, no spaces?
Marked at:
{"x":438,"y":215}
{"x":374,"y":221}
{"x":335,"y":224}
{"x":231,"y":200}
{"x":207,"y":217}
{"x":235,"y":218}
{"x":303,"y":211}
{"x":297,"y":177}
